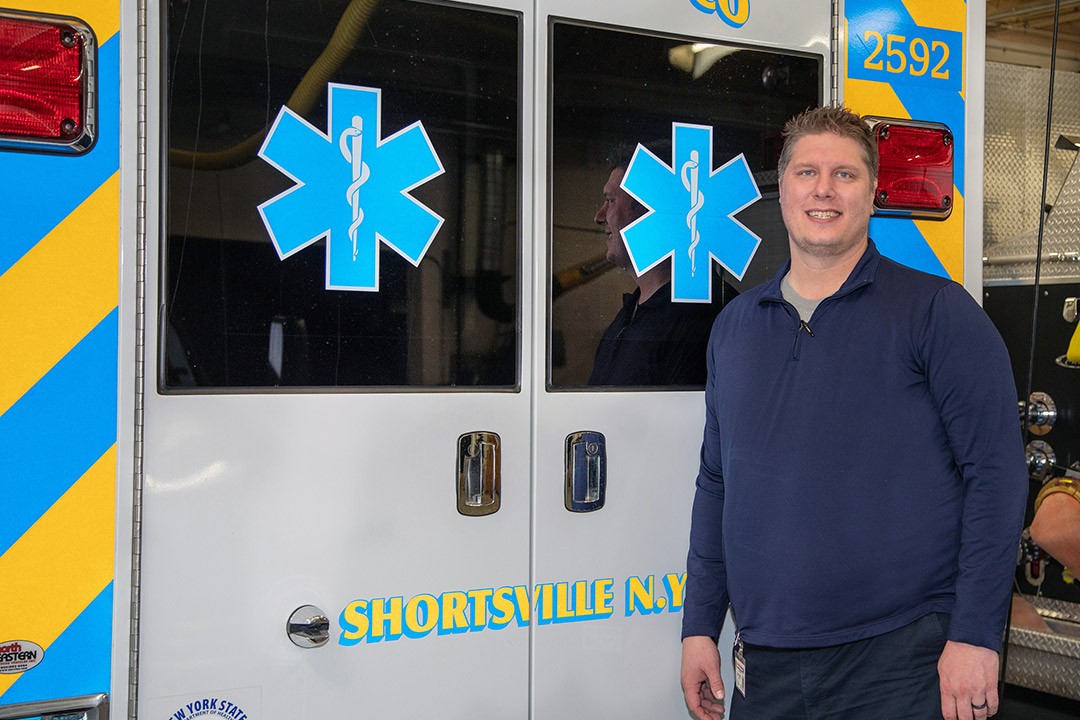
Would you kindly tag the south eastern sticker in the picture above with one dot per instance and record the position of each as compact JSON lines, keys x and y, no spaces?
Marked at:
{"x":18,"y":656}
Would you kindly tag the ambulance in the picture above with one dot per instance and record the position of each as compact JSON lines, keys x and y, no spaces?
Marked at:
{"x":299,"y":306}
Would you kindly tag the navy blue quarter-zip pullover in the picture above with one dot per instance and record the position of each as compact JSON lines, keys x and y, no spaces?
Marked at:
{"x":858,"y":470}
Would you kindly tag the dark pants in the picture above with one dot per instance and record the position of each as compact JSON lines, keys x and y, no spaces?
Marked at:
{"x":888,"y":677}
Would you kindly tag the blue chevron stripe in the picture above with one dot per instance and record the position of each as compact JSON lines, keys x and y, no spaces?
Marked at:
{"x":78,"y":663}
{"x":38,"y":191}
{"x":58,"y":429}
{"x":899,"y":239}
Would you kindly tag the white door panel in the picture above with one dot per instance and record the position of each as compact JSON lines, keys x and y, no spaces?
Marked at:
{"x":769,"y":23}
{"x":254,"y":506}
{"x":622,"y":665}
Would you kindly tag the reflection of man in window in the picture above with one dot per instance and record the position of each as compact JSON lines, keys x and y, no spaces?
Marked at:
{"x":652,"y":341}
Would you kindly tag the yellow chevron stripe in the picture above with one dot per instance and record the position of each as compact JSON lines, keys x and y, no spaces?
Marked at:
{"x":943,"y":238}
{"x":943,"y":14}
{"x":103,"y":16}
{"x":59,"y":291}
{"x":868,"y":97}
{"x":64,"y":561}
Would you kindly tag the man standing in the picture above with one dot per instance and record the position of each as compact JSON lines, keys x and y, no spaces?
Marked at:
{"x":862,"y":480}
{"x":652,"y":341}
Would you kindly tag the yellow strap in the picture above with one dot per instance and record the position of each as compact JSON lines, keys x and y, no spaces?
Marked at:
{"x":1058,"y":485}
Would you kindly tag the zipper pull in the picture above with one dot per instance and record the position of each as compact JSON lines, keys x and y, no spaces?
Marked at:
{"x":795,"y":343}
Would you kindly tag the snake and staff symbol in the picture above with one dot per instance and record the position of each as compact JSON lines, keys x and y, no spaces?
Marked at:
{"x":690,"y":171}
{"x":350,"y":144}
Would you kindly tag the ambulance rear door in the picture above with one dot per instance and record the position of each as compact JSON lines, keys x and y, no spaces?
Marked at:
{"x":697,"y":92}
{"x":337,"y":412}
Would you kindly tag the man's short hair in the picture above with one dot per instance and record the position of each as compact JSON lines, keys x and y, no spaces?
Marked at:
{"x":838,"y":121}
{"x":621,"y":154}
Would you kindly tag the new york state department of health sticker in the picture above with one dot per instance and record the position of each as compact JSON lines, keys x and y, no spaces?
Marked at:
{"x":236,"y":704}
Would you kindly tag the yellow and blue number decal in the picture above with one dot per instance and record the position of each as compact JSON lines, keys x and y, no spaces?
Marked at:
{"x":905,"y":59}
{"x":734,"y":13}
{"x":59,"y":259}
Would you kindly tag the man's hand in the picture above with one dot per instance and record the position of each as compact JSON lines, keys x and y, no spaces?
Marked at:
{"x":969,"y":676}
{"x":702,"y":687}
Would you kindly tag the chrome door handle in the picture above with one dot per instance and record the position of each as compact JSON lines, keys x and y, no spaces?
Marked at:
{"x":586,"y":471}
{"x":308,"y":627}
{"x":479,"y":481}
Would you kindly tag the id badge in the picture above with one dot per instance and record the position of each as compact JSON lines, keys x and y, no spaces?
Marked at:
{"x":740,"y":668}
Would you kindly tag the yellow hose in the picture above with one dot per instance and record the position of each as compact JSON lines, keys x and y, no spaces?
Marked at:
{"x":579,"y":274}
{"x":1073,"y":353}
{"x":308,"y":91}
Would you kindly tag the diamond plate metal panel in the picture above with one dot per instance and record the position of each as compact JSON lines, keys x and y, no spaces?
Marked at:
{"x":1015,"y":129}
{"x":1047,"y":662}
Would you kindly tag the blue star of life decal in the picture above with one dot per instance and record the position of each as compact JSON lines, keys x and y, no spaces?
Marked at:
{"x":690,"y":213}
{"x":352,"y":187}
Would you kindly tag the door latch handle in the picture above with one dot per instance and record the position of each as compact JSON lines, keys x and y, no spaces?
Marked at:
{"x":586,"y":471}
{"x":308,"y":627}
{"x":479,"y":480}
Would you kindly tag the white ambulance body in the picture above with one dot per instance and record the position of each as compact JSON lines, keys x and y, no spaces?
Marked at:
{"x":359,"y":470}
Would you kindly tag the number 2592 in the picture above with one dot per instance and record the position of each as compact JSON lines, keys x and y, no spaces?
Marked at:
{"x":898,"y":51}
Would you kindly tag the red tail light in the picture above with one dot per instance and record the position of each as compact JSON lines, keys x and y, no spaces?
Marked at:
{"x":915,"y":175}
{"x":46,"y":83}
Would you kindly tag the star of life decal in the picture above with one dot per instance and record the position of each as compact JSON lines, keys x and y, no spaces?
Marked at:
{"x":352,"y":187}
{"x":690,"y":212}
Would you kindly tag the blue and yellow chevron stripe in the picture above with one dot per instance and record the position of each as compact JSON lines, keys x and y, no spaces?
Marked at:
{"x":930,"y":89}
{"x":59,"y":276}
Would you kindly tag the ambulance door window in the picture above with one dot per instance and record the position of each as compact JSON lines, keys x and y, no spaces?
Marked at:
{"x":374,"y":248}
{"x":659,"y":105}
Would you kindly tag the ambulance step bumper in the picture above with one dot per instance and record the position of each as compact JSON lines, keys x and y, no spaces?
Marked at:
{"x":1047,"y":662}
{"x":87,"y":707}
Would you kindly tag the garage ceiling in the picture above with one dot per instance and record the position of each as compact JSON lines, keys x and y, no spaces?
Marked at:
{"x":1021,"y":32}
